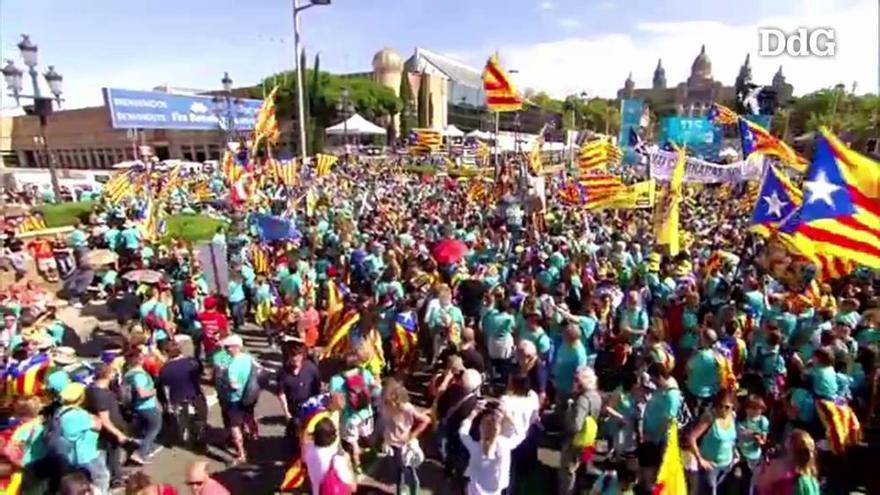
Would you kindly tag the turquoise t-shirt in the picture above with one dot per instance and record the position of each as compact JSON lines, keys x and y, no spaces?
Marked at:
{"x":57,"y":380}
{"x":238,"y":372}
{"x":787,"y":323}
{"x":803,"y":401}
{"x":140,"y":379}
{"x":263,"y":293}
{"x":157,"y":307}
{"x":249,"y":276}
{"x":748,"y":447}
{"x":703,"y":379}
{"x":111,"y":237}
{"x":77,"y":428}
{"x":824,"y":382}
{"x":588,"y":325}
{"x":497,"y":324}
{"x":717,"y":443}
{"x":131,"y":238}
{"x":236,"y":291}
{"x":540,"y":338}
{"x":56,"y":331}
{"x":436,"y":317}
{"x":755,"y":302}
{"x":78,"y":239}
{"x":568,"y":359}
{"x":662,"y":407}
{"x":636,"y":319}
{"x":31,"y":436}
{"x":221,"y":361}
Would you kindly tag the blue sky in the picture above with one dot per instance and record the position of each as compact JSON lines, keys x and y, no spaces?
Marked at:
{"x":592,"y":44}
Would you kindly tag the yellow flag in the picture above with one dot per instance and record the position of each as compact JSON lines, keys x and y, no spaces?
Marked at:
{"x":666,"y":226}
{"x":670,"y":477}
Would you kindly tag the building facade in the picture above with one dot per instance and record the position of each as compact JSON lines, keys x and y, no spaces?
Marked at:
{"x":695,"y":95}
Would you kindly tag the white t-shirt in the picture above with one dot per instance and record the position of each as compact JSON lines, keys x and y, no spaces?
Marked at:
{"x":523,"y":411}
{"x":317,"y":461}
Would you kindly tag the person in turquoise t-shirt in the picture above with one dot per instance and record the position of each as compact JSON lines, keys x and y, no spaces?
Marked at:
{"x":663,"y":406}
{"x":752,"y":434}
{"x":111,"y":237}
{"x":713,"y":442}
{"x":78,"y":238}
{"x":822,"y":375}
{"x":634,"y":319}
{"x":237,"y":304}
{"x":79,"y":431}
{"x":236,"y":376}
{"x":29,"y":435}
{"x":57,"y":380}
{"x":130,"y":237}
{"x":703,"y":379}
{"x":570,"y":356}
{"x":144,"y":406}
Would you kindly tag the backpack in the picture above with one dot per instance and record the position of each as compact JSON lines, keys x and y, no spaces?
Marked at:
{"x":252,"y":388}
{"x":333,"y":484}
{"x":57,"y":445}
{"x":356,"y":387}
{"x":126,"y":392}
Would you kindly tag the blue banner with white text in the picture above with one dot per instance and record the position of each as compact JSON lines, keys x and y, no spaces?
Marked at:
{"x":699,"y":134}
{"x":156,"y":110}
{"x":630,"y":118}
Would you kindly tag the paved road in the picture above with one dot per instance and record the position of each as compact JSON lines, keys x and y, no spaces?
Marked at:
{"x":266,"y":465}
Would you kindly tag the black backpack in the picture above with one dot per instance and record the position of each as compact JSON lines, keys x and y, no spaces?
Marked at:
{"x":57,"y":445}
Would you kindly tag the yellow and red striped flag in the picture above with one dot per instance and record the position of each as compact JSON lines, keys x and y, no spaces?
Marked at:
{"x":335,"y":305}
{"x":294,"y":477}
{"x":231,"y":169}
{"x":30,"y":223}
{"x":120,"y":186}
{"x":598,"y":154}
{"x":840,"y":214}
{"x":720,"y":114}
{"x":323,"y":164}
{"x":266,"y":126}
{"x":339,"y":341}
{"x":286,"y":172}
{"x":842,"y":428}
{"x":501,"y":95}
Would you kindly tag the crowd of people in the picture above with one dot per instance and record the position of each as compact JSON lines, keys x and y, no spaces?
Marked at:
{"x":414,"y":321}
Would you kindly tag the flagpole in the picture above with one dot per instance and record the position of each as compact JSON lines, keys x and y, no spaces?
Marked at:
{"x":497,"y":149}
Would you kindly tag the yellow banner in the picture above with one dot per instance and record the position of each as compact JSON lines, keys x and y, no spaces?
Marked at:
{"x":638,"y":195}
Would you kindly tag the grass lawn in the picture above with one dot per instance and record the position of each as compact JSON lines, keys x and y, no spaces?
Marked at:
{"x":192,"y":228}
{"x":64,"y":214}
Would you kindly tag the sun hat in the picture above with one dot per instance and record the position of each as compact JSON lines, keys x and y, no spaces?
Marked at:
{"x":232,"y":341}
{"x":64,"y":356}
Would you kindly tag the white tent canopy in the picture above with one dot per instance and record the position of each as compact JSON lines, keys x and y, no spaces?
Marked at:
{"x":355,"y":125}
{"x":479,"y":134}
{"x":452,"y":131}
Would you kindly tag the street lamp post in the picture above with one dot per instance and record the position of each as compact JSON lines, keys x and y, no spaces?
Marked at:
{"x":345,"y":108}
{"x":300,"y":110}
{"x":42,"y":107}
{"x":227,"y":109}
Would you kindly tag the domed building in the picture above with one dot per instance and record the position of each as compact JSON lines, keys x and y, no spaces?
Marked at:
{"x":387,"y":71}
{"x":694,"y":96}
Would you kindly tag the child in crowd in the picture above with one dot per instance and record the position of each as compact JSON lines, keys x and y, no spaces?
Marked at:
{"x":752,"y":435}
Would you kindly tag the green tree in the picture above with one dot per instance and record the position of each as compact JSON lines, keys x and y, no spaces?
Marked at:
{"x":407,"y":120}
{"x":424,"y":102}
{"x":317,"y":138}
{"x":369,"y":98}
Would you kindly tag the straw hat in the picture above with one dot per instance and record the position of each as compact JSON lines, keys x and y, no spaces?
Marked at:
{"x":64,"y":356}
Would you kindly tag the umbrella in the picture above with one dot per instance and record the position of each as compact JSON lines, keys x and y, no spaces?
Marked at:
{"x":449,"y":251}
{"x":100,"y":257}
{"x":143,"y":276}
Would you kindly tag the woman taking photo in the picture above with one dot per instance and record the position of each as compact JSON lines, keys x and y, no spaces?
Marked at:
{"x":488,"y":469}
{"x":713,"y":442}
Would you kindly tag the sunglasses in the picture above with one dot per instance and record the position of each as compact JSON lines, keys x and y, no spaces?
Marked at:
{"x":195,"y":483}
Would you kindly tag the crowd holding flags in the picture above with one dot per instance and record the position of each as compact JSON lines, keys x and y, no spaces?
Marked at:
{"x":756,"y":139}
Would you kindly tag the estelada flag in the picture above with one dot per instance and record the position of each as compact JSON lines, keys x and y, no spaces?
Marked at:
{"x":501,"y":95}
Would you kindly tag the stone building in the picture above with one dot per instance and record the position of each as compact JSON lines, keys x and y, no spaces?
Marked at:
{"x":695,"y":96}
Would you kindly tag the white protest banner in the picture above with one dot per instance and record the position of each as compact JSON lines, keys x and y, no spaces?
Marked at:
{"x":701,"y":171}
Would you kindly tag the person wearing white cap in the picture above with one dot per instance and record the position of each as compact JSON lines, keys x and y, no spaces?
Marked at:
{"x":239,"y":402}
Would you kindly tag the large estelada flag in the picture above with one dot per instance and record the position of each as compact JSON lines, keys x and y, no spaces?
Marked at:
{"x":501,"y":95}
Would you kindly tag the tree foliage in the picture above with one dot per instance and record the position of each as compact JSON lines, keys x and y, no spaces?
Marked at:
{"x":369,"y":98}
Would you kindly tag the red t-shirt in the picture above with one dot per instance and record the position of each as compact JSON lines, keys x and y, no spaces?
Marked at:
{"x":215,"y":327}
{"x":41,"y":249}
